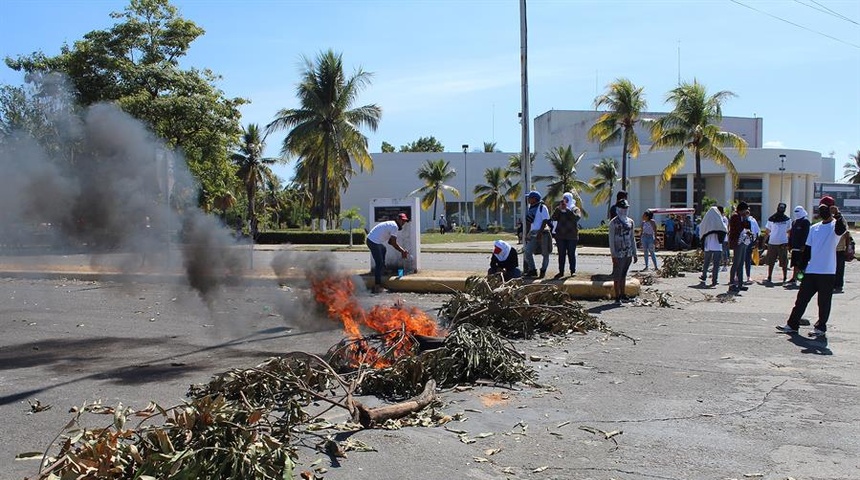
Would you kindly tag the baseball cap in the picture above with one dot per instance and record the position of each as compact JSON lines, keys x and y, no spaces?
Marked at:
{"x":623,"y":203}
{"x":827,"y":200}
{"x":534,"y":194}
{"x":403,"y":217}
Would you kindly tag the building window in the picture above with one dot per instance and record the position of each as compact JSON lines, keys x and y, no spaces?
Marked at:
{"x":678,"y":192}
{"x":749,"y":190}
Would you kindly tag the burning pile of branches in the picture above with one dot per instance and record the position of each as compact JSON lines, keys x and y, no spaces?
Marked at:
{"x":682,"y":262}
{"x":516,"y":310}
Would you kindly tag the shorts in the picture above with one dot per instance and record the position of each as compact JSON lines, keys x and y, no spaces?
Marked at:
{"x":620,"y":266}
{"x":775,"y":252}
{"x":796,"y":256}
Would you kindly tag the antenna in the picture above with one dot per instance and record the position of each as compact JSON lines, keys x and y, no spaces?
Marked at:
{"x":494,"y":122}
{"x":679,"y":62}
{"x":595,"y":85}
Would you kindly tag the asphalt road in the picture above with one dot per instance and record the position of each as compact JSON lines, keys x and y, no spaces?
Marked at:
{"x":708,"y":390}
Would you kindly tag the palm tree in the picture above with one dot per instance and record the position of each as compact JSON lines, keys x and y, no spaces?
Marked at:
{"x":605,"y":176}
{"x":253,"y":168}
{"x":694,"y":125}
{"x":626,"y":104}
{"x":435,"y":174}
{"x":514,"y":174}
{"x":493,"y":193}
{"x":352,"y":215}
{"x":489,"y":147}
{"x":325,"y":129}
{"x":852,"y":168}
{"x":563,"y":163}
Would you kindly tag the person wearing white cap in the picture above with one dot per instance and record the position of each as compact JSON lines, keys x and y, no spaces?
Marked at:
{"x":622,"y":247}
{"x":504,"y":260}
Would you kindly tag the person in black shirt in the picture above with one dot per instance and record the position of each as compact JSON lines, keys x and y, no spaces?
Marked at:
{"x":504,"y":260}
{"x":797,"y":241}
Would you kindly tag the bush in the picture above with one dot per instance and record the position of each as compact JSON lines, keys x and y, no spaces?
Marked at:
{"x":594,"y":237}
{"x":331,"y":237}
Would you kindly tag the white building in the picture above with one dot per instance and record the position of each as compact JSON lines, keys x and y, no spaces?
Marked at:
{"x":762,"y":184}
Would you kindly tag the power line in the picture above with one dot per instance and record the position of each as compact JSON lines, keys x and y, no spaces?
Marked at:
{"x":835,"y":13}
{"x":796,"y":24}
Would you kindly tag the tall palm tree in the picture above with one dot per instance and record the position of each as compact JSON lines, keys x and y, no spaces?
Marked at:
{"x":489,"y":147}
{"x":493,"y":193}
{"x":694,"y":125}
{"x":626,"y":104}
{"x":327,"y":124}
{"x":435,"y":174}
{"x":514,"y":174}
{"x":563,"y":163}
{"x":852,"y":168}
{"x":605,"y":176}
{"x":253,"y":168}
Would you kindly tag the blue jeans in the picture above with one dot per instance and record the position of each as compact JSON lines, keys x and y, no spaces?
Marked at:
{"x":648,"y":249}
{"x":566,"y":248}
{"x":711,"y":258}
{"x":377,"y":252}
{"x":529,"y":251}
{"x":736,"y":275}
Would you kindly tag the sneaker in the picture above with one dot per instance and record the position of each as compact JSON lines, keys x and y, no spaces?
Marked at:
{"x":558,"y":275}
{"x":531,"y":273}
{"x":786,"y":329}
{"x":816,"y":333}
{"x":837,"y":290}
{"x":742,"y":288}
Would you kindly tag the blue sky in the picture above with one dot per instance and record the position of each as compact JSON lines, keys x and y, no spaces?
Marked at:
{"x":450,"y":68}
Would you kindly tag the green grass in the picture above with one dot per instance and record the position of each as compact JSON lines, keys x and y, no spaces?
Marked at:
{"x":437,"y":238}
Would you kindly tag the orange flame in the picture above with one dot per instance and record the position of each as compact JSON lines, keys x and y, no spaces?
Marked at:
{"x":337,"y":295}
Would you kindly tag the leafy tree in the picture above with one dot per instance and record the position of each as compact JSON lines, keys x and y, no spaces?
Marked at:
{"x":387,"y":147}
{"x":352,"y":215}
{"x":852,"y":168}
{"x":435,"y":174}
{"x":694,"y":125}
{"x":563,"y":163}
{"x":253,"y":169}
{"x":490,"y":147}
{"x":492,"y":195}
{"x":605,"y":176}
{"x":135,"y":64}
{"x":424,"y":144}
{"x":626,"y":104}
{"x":325,"y":130}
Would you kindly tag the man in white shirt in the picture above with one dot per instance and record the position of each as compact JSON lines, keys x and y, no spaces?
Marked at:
{"x":537,"y":218}
{"x":777,"y":228}
{"x":755,"y":229}
{"x":380,"y":235}
{"x":819,"y":267}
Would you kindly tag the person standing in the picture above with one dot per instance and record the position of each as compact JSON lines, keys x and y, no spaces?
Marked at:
{"x":797,"y":241}
{"x":622,"y":247}
{"x":736,"y":243}
{"x":845,"y":242}
{"x":669,"y":232}
{"x":777,"y":228}
{"x":537,"y":218}
{"x":725,"y":240}
{"x":443,"y":224}
{"x":384,"y":233}
{"x":754,"y":233}
{"x":648,"y":237}
{"x":621,"y":195}
{"x":819,"y":266}
{"x":505,"y":261}
{"x":712,"y":240}
{"x":566,"y":220}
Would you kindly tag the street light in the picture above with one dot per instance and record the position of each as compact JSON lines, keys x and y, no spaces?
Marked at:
{"x":466,"y":185}
{"x":781,"y":173}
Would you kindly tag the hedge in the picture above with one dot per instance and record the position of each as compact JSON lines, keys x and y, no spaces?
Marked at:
{"x":331,"y":237}
{"x":594,"y":237}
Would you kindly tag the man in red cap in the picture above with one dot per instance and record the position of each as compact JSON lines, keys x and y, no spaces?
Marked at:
{"x":818,"y":265}
{"x":380,"y":235}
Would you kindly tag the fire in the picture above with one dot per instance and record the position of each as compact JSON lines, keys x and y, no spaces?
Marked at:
{"x":395,"y":324}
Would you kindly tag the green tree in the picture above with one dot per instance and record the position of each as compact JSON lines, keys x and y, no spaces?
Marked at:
{"x":490,"y":147}
{"x":135,"y":64}
{"x":435,"y":174}
{"x":492,"y":195}
{"x":626,"y":104}
{"x":424,"y":144}
{"x":325,"y":131}
{"x":352,"y":215}
{"x":563,"y":163}
{"x":387,"y":147}
{"x":603,"y":181}
{"x":694,"y":125}
{"x":253,"y":169}
{"x":852,"y":168}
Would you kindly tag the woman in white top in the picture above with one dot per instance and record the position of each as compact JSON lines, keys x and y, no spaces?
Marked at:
{"x":649,"y":229}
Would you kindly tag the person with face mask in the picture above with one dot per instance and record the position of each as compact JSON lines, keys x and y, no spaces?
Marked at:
{"x":504,"y":260}
{"x":777,"y":228}
{"x":566,"y":219}
{"x":797,"y":240}
{"x":537,"y":219}
{"x":819,"y":266}
{"x":738,"y":246}
{"x":622,"y":246}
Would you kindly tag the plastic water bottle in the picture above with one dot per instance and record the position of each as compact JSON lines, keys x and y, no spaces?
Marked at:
{"x":800,"y":275}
